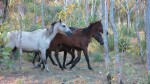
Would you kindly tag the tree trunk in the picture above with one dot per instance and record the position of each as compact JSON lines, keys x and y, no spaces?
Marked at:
{"x":128,"y":14}
{"x":119,"y":19}
{"x":86,"y":13}
{"x":21,"y":9}
{"x":1,"y":12}
{"x":92,"y":9}
{"x":5,"y":9}
{"x":137,"y":31}
{"x":114,"y":28}
{"x":148,"y":36}
{"x":105,"y":28}
{"x":65,"y":4}
{"x":42,"y":11}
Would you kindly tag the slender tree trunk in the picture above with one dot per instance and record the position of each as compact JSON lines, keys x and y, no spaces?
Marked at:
{"x":147,"y":24}
{"x":92,"y":8}
{"x":35,"y":15}
{"x":119,"y":18}
{"x":128,"y":14}
{"x":42,"y":11}
{"x":86,"y":12}
{"x":137,"y":31}
{"x":1,"y":12}
{"x":114,"y":28}
{"x":105,"y":28}
{"x":21,"y":9}
{"x":5,"y":9}
{"x":65,"y":4}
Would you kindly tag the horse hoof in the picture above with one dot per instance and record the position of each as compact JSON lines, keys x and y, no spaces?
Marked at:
{"x":64,"y":67}
{"x":91,"y":69}
{"x":68,"y":64}
{"x":55,"y":64}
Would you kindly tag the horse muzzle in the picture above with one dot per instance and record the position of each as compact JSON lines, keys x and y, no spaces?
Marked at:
{"x":69,"y":33}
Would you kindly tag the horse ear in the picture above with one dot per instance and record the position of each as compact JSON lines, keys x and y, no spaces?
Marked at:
{"x":60,"y":21}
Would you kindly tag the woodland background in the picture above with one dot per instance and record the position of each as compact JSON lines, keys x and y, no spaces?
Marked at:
{"x":123,"y":53}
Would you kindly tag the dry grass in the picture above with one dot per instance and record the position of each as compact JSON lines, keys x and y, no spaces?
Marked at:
{"x":133,"y":73}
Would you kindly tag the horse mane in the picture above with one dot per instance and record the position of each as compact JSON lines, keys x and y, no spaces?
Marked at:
{"x":88,"y":29}
{"x":92,"y":25}
{"x":50,"y":29}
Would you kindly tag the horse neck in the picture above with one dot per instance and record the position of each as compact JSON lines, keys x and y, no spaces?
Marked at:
{"x":53,"y":34}
{"x":90,"y":33}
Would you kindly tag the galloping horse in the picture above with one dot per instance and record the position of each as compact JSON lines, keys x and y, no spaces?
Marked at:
{"x":78,"y":41}
{"x":37,"y":41}
{"x":56,"y":44}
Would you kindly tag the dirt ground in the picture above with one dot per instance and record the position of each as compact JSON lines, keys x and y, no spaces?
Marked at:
{"x":133,"y":73}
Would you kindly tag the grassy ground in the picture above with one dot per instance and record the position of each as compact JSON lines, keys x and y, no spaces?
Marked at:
{"x":133,"y":73}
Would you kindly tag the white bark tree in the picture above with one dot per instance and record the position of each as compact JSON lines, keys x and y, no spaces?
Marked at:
{"x":105,"y":28}
{"x":42,"y":11}
{"x":137,"y":31}
{"x":21,"y":10}
{"x":86,"y":12}
{"x":114,"y":28}
{"x":128,"y":13}
{"x":147,"y":24}
{"x":1,"y":12}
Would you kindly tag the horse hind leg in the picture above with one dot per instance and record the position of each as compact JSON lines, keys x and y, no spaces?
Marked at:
{"x":48,"y":54}
{"x":76,"y":60}
{"x":57,"y":58}
{"x":12,"y":57}
{"x":73,"y":57}
{"x":64,"y":59}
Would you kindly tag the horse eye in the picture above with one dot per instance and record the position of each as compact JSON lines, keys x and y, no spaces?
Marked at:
{"x":63,"y":25}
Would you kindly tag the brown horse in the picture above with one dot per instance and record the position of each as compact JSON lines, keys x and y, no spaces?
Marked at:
{"x":78,"y":41}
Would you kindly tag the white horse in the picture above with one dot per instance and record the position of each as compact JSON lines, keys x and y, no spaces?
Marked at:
{"x":37,"y":41}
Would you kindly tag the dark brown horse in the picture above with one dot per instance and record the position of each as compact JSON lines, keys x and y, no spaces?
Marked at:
{"x":78,"y":41}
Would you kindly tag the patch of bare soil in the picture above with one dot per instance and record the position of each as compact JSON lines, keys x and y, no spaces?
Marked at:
{"x":132,"y":74}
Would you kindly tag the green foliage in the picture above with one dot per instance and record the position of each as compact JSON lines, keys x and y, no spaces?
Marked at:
{"x":28,"y":57}
{"x":97,"y":56}
{"x":5,"y":61}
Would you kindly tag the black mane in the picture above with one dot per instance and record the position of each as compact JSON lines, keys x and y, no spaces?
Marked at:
{"x":53,"y":23}
{"x":88,"y":29}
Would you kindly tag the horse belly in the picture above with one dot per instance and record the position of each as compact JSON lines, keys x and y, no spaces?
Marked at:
{"x":28,"y":44}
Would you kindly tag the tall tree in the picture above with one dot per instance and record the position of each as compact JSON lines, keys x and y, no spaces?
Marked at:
{"x":137,"y":31}
{"x":86,"y":12}
{"x":148,"y":36}
{"x":21,"y":10}
{"x":105,"y":28}
{"x":1,"y":12}
{"x":42,"y":11}
{"x":114,"y":28}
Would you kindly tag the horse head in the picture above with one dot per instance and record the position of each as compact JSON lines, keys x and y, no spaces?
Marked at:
{"x":62,"y":27}
{"x":98,"y":37}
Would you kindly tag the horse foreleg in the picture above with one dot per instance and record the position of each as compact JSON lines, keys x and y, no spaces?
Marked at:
{"x":33,"y":61}
{"x":57,"y":58}
{"x":76,"y":60}
{"x":87,"y":59}
{"x":64,"y":59}
{"x":73,"y":57}
{"x":43,"y":59}
{"x":48,"y":54}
